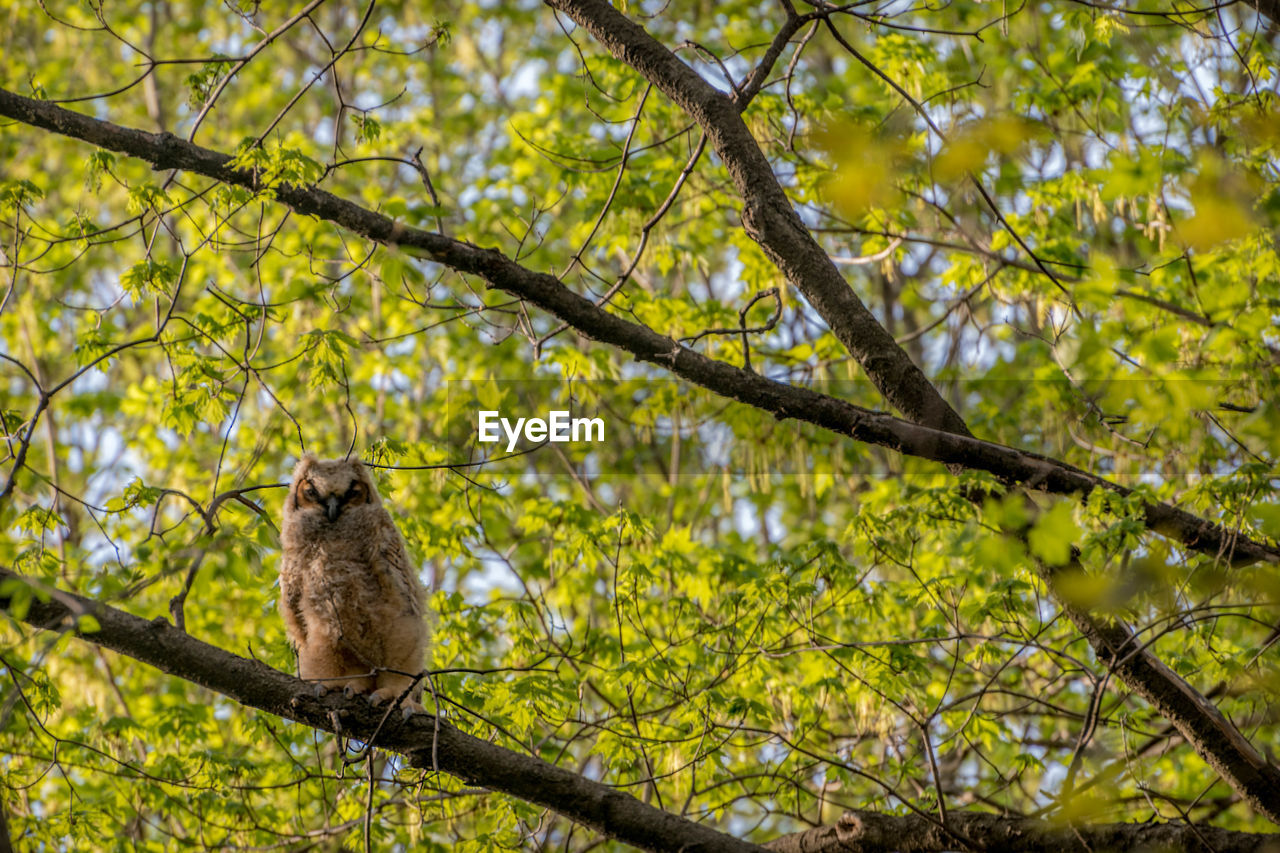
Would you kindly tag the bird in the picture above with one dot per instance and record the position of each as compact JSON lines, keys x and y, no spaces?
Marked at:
{"x":352,"y":603}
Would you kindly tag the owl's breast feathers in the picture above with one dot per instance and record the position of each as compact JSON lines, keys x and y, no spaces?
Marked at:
{"x":337,"y":581}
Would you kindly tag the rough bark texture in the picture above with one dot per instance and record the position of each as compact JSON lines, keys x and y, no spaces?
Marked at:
{"x":1211,"y":735}
{"x":603,"y":808}
{"x":6,"y":846}
{"x":432,"y":743}
{"x":770,"y":219}
{"x":477,"y":762}
{"x":768,"y":216}
{"x":868,"y":832}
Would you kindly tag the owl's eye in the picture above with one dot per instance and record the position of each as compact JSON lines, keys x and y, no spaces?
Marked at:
{"x":311,"y":494}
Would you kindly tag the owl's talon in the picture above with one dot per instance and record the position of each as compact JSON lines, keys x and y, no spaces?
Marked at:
{"x":375,"y":698}
{"x":319,"y":690}
{"x":407,"y":711}
{"x":348,"y":691}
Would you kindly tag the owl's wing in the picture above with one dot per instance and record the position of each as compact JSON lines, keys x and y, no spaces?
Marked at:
{"x":393,"y":559}
{"x":295,"y":622}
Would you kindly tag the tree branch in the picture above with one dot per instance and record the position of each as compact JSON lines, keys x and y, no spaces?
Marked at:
{"x":1198,"y":720}
{"x":476,"y":762}
{"x":604,"y":809}
{"x":1270,"y":8}
{"x":869,"y":832}
{"x":6,"y":844}
{"x":768,"y":215}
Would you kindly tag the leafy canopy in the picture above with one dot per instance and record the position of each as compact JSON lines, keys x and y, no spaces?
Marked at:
{"x":821,"y":625}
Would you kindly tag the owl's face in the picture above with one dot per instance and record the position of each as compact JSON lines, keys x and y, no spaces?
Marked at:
{"x":330,"y":488}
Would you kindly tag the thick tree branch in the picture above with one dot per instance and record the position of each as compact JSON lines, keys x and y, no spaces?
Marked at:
{"x":768,"y":215}
{"x":6,"y":845}
{"x":756,"y":79}
{"x":166,"y":151}
{"x":476,"y":762}
{"x":1270,"y":8}
{"x":869,"y":832}
{"x":1213,"y":737}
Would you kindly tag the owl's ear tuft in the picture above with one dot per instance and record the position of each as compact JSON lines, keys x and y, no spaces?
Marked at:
{"x":371,"y":485}
{"x":306,"y":461}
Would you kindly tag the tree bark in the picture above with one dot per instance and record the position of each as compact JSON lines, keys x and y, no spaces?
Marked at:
{"x":1270,"y":8}
{"x":770,"y":219}
{"x":429,"y":742}
{"x":6,"y":844}
{"x":768,"y":215}
{"x":869,"y":832}
{"x":1198,"y":720}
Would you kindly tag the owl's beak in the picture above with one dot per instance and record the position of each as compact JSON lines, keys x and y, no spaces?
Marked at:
{"x":332,"y":507}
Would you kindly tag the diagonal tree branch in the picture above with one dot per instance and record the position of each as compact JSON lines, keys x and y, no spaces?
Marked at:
{"x":768,"y":215}
{"x":1197,"y":719}
{"x":426,"y":741}
{"x":6,"y":844}
{"x":1270,"y":8}
{"x":1209,"y":733}
{"x":770,"y":219}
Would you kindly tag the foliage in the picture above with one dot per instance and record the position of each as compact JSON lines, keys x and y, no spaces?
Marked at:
{"x":824,"y":625}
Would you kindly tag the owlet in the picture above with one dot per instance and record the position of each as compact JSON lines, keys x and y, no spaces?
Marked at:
{"x":351,"y":600}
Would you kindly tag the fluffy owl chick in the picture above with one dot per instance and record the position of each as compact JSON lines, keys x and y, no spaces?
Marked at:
{"x":352,"y":602}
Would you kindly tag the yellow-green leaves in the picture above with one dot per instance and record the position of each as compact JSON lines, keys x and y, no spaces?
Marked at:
{"x":968,"y":150}
{"x":19,"y":193}
{"x":148,"y":197}
{"x":864,"y":164}
{"x":1107,"y":25}
{"x":368,"y":128}
{"x":201,"y":83}
{"x":149,"y":277}
{"x":98,"y":165}
{"x":276,"y":165}
{"x":1222,"y":200}
{"x":326,"y":352}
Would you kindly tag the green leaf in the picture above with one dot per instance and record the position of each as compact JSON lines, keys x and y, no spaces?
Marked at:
{"x":1054,"y":534}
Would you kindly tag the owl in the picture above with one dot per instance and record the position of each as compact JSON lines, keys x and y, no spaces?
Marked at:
{"x":352,"y":603}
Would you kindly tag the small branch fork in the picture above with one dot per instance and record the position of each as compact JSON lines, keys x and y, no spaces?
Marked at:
{"x":742,"y":329}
